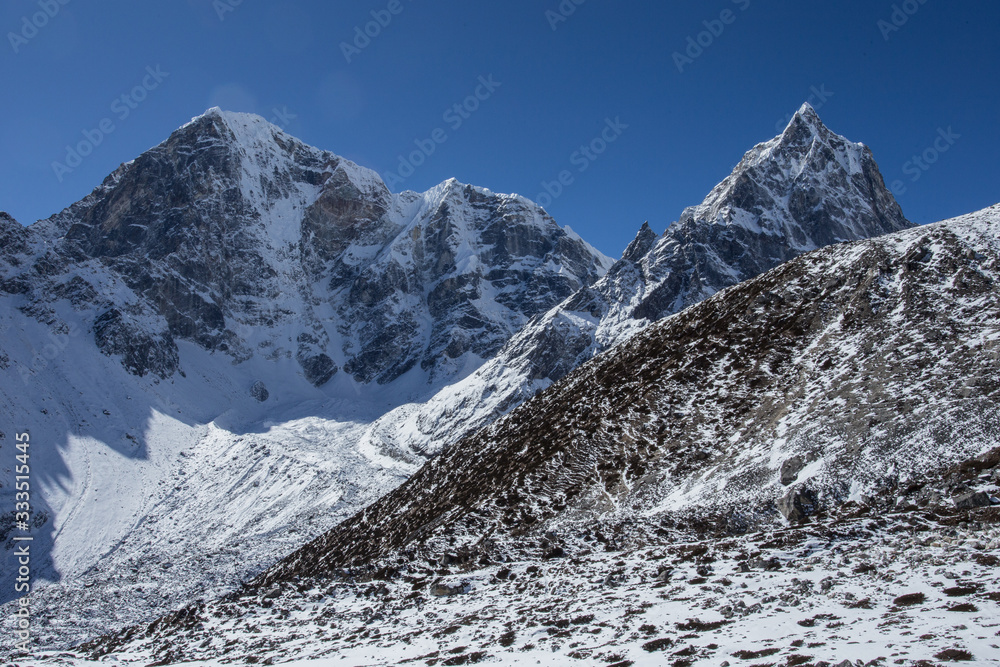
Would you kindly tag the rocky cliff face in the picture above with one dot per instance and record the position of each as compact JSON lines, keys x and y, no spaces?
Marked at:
{"x":804,"y":189}
{"x":242,"y":240}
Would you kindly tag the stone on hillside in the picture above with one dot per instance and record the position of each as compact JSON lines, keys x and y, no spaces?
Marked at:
{"x":797,"y":504}
{"x":970,"y":500}
{"x":791,"y":468}
{"x":259,"y":391}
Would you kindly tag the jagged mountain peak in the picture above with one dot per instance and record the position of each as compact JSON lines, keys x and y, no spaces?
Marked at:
{"x":218,"y":114}
{"x":805,"y":134}
{"x":242,"y":125}
{"x":262,"y":144}
{"x":12,"y":234}
{"x":808,"y":185}
{"x":6,"y":217}
{"x":806,"y":118}
{"x":243,"y":238}
{"x":455,"y":190}
{"x":231,"y":127}
{"x":643,"y":242}
{"x":448,"y":189}
{"x":804,"y":189}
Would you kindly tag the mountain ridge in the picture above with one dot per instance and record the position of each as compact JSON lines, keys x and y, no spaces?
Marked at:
{"x":806,"y":182}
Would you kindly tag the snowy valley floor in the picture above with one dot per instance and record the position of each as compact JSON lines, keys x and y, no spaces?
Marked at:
{"x":895,"y":589}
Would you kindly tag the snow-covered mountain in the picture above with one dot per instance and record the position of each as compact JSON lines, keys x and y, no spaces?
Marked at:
{"x":197,"y":346}
{"x":241,"y":239}
{"x":803,"y":467}
{"x":805,"y":189}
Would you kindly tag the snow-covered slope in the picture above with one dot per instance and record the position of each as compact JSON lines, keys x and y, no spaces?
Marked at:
{"x":197,"y":346}
{"x":873,"y":591}
{"x":217,"y":333}
{"x":804,"y":189}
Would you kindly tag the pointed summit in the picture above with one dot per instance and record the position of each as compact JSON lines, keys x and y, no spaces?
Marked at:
{"x":807,"y":113}
{"x":808,"y":187}
{"x":218,"y":113}
{"x":214,"y":111}
{"x":641,"y":244}
{"x":208,"y":117}
{"x":248,"y":129}
{"x":804,"y":126}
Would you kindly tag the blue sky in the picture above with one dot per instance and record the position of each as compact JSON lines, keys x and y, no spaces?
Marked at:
{"x":560,"y":75}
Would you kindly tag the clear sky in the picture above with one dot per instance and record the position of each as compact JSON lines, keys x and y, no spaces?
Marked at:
{"x":899,"y":76}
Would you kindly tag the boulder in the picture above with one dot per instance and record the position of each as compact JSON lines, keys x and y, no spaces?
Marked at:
{"x":440,"y":589}
{"x":972,"y":499}
{"x":791,"y":468}
{"x":797,"y":504}
{"x":259,"y":391}
{"x":318,"y":369}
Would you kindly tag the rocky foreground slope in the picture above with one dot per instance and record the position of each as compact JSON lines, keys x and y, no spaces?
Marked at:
{"x":841,"y":375}
{"x":801,"y":469}
{"x":908,"y":588}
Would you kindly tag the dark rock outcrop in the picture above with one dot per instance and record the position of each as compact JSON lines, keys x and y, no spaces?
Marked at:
{"x":259,"y":391}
